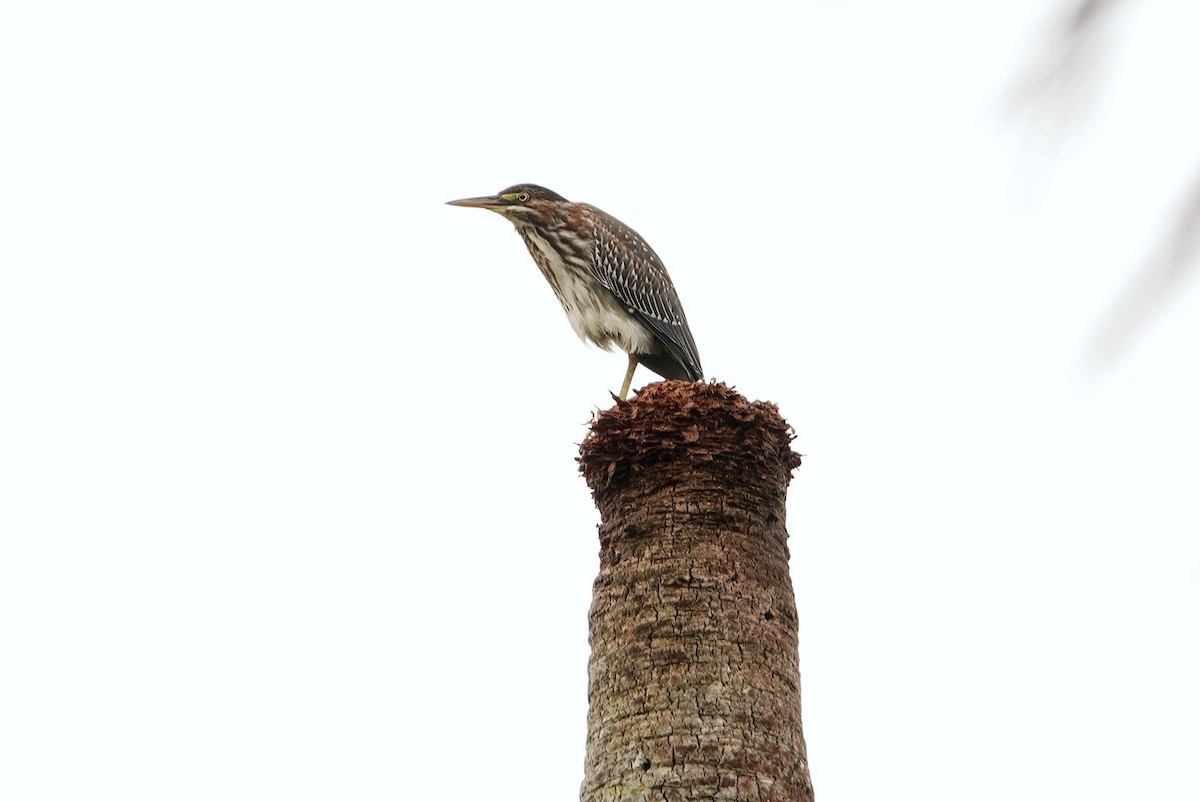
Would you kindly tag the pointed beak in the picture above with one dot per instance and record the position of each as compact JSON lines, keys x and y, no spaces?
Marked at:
{"x":492,"y":202}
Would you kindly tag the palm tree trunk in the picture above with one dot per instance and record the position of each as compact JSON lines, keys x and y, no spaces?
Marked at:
{"x":694,"y":682}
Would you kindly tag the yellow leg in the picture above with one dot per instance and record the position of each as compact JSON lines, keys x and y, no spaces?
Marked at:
{"x":633,"y":363}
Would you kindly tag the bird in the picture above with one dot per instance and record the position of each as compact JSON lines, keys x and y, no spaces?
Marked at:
{"x":610,"y":282}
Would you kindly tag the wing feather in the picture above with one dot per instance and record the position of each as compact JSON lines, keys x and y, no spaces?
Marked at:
{"x":624,"y":263}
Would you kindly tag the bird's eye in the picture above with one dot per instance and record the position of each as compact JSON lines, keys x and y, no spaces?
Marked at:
{"x":523,"y":196}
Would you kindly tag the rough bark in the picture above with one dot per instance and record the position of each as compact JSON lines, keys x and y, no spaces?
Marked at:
{"x":694,"y":682}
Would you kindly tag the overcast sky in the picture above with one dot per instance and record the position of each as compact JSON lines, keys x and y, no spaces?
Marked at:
{"x":288,"y":500}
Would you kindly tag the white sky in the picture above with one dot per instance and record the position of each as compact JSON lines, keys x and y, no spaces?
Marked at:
{"x":289,"y":502}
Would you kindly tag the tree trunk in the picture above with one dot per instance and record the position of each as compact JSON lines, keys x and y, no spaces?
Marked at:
{"x":694,"y":682}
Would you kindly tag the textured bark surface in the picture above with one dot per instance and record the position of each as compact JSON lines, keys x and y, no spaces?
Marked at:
{"x":694,"y":682}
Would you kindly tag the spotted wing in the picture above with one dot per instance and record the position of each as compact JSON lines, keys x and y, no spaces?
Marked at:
{"x":632,"y":271}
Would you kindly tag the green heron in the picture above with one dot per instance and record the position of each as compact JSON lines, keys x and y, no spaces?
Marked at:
{"x":611,"y":284}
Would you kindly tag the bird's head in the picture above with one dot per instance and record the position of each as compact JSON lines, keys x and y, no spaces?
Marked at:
{"x":519,"y":203}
